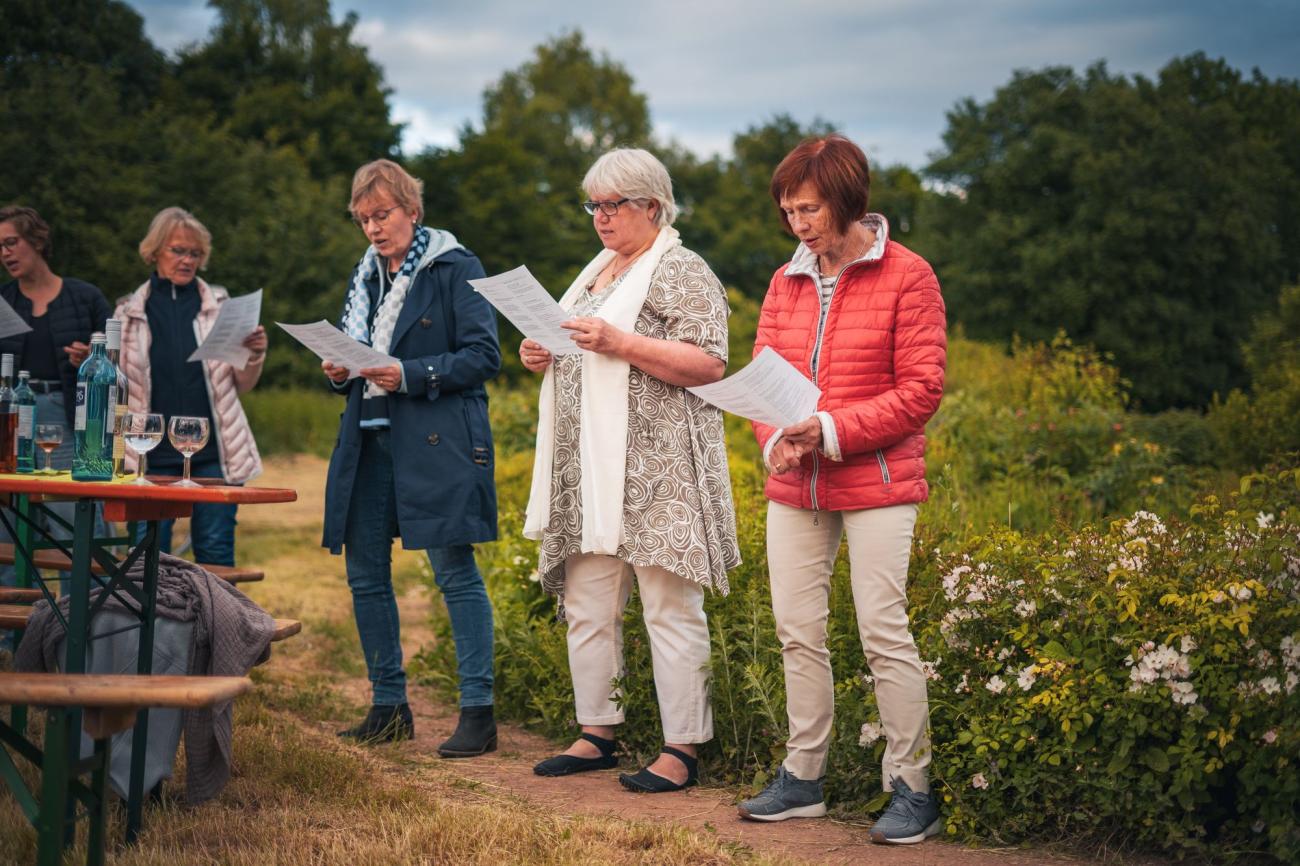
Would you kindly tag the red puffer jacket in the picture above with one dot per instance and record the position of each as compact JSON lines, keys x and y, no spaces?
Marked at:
{"x":879,"y":364}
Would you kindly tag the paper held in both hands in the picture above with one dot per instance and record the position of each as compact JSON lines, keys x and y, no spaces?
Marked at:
{"x":331,"y":344}
{"x":770,"y":390}
{"x":238,"y":317}
{"x":529,"y":307}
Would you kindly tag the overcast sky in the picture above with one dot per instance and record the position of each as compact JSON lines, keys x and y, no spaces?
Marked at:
{"x":884,"y":71}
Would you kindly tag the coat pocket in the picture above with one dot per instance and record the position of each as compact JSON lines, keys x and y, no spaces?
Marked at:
{"x":884,"y":466}
{"x":478,"y":430}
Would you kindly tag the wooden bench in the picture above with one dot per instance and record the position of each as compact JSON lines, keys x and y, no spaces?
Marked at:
{"x":15,"y":616}
{"x":57,"y":560}
{"x":109,"y":704}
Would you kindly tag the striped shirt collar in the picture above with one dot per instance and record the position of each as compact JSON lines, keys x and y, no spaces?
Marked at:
{"x":804,"y":260}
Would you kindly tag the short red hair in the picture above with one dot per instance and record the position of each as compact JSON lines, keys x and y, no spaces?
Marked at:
{"x":836,"y":167}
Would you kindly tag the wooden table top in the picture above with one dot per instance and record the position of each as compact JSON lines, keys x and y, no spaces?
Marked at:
{"x":165,"y":490}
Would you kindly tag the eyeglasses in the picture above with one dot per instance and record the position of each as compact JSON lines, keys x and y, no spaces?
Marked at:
{"x":186,"y":253}
{"x":379,"y":217}
{"x":608,"y":208}
{"x":10,"y":243}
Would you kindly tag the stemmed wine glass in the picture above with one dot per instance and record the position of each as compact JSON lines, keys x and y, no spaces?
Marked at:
{"x":49,"y":437}
{"x":142,"y":431}
{"x":188,"y":435}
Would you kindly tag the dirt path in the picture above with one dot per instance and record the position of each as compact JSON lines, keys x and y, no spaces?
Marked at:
{"x":309,"y":584}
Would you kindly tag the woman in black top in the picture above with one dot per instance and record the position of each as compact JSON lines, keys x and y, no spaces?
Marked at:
{"x":62,"y":312}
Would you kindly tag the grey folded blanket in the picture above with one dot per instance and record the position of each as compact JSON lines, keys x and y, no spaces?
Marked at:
{"x":231,"y":634}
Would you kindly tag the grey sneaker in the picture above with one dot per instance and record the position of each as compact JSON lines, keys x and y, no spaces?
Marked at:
{"x":786,"y":796}
{"x":910,"y":817}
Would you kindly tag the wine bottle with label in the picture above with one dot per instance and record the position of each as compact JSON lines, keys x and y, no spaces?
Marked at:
{"x":8,"y":417}
{"x":25,"y":399}
{"x":92,"y":456}
{"x":113,"y":345}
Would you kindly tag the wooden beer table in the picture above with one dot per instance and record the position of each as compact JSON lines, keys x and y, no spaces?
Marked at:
{"x":22,"y":497}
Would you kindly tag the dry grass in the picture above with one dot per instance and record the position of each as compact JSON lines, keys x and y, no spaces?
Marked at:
{"x":299,"y":796}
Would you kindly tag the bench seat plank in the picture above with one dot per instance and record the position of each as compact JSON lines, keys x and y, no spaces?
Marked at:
{"x":15,"y":616}
{"x":56,"y":560}
{"x":132,"y":691}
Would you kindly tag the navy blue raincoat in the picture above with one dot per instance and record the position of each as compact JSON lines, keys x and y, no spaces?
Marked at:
{"x":443,"y":461}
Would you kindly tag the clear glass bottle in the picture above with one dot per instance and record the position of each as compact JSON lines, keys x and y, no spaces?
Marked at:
{"x":25,"y":399}
{"x":113,"y":345}
{"x":92,"y":456}
{"x":8,"y":417}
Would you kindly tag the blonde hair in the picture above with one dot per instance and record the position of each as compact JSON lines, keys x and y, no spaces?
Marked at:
{"x":636,"y":174}
{"x":386,"y":175}
{"x":167,"y":221}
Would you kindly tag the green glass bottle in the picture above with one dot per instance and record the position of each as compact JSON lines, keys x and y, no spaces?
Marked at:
{"x":25,"y":399}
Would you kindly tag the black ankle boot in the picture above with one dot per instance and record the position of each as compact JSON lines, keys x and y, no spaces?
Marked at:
{"x":476,"y":734}
{"x":383,"y":724}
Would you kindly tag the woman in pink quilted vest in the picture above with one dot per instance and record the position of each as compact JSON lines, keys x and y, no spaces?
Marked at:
{"x":163,"y":321}
{"x":861,"y":316}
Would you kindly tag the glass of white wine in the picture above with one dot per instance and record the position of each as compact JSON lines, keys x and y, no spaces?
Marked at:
{"x":188,"y":435}
{"x":142,"y":431}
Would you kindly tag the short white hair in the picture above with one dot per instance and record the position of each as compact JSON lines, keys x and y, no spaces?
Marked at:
{"x":636,"y":174}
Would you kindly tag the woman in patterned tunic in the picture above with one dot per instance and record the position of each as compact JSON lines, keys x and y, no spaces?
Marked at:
{"x":630,"y":474}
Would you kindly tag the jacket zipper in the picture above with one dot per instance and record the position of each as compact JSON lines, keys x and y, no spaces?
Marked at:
{"x":212,"y":402}
{"x":816,"y":361}
{"x":884,"y":467}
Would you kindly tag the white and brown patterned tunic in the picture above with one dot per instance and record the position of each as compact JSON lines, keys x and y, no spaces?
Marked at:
{"x":677,"y":508}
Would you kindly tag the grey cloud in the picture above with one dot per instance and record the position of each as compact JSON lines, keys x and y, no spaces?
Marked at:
{"x":885,"y":71}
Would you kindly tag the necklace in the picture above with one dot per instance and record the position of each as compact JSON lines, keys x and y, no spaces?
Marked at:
{"x":618,"y":272}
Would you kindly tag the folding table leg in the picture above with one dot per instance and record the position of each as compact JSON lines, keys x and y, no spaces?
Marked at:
{"x":56,"y":769}
{"x":78,"y":637}
{"x":144,"y":665}
{"x":99,"y":804}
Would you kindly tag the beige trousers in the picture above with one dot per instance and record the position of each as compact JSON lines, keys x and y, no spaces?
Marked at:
{"x":596,"y":590}
{"x":801,"y":550}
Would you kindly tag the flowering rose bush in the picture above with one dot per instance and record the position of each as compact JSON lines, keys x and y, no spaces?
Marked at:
{"x":1142,"y":678}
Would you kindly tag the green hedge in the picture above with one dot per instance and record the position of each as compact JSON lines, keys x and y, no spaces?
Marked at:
{"x":294,"y":420}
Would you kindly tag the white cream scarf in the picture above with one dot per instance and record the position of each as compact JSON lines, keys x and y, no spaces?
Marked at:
{"x":603,"y":422}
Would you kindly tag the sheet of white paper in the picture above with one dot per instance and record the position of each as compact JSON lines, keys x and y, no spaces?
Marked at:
{"x":10,"y":322}
{"x":529,"y":307}
{"x":237,"y":319}
{"x":770,"y":390}
{"x":331,"y":344}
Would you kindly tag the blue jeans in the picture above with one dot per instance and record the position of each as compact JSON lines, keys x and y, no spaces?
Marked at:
{"x":368,"y":541}
{"x":212,"y":525}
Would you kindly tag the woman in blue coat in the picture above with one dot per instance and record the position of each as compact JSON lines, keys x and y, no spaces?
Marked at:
{"x":414,"y":454}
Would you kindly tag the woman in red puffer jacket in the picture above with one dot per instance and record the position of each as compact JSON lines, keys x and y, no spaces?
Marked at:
{"x":862,"y":317}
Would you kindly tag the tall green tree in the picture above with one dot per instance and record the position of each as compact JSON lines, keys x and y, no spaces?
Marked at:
{"x":284,"y":73}
{"x":76,"y":98}
{"x":1139,"y":215}
{"x":511,"y":190}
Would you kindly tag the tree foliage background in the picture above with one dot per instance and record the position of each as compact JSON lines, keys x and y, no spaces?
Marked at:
{"x":1152,"y":218}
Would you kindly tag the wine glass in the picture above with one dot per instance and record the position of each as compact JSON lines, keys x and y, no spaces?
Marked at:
{"x":187,"y":435}
{"x":142,"y":431}
{"x":49,"y":437}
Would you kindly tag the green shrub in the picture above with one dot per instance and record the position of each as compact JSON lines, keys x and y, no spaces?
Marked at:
{"x":1255,"y":427}
{"x":1141,"y":678}
{"x":294,"y":420}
